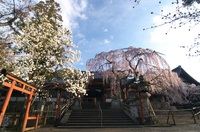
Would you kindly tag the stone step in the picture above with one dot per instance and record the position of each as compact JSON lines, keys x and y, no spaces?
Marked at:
{"x":109,"y":112}
{"x":91,"y":118}
{"x":88,"y":105}
{"x":87,"y":110}
{"x":105,"y":112}
{"x":99,"y":124}
{"x":97,"y":116}
{"x":99,"y":120}
{"x":105,"y":105}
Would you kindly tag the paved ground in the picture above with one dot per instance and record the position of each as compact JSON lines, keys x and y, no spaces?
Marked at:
{"x":177,"y":128}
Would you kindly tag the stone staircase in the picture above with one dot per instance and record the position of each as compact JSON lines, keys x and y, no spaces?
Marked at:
{"x":88,"y":105}
{"x":89,"y":117}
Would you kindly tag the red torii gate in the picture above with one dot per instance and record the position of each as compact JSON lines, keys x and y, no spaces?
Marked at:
{"x":31,"y":91}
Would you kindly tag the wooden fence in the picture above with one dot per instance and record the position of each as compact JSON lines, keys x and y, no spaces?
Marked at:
{"x":193,"y":113}
{"x":36,"y":118}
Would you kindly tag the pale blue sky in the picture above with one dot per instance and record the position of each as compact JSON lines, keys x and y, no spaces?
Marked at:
{"x":104,"y":25}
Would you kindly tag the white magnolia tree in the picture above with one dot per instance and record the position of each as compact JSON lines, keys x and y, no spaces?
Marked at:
{"x":75,"y":81}
{"x":41,"y":50}
{"x":119,"y":65}
{"x":44,"y":47}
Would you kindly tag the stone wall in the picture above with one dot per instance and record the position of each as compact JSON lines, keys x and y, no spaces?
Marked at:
{"x":158,"y":103}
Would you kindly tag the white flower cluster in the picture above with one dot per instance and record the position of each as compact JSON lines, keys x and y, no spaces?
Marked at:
{"x":47,"y":43}
{"x":76,"y":80}
{"x":42,"y":49}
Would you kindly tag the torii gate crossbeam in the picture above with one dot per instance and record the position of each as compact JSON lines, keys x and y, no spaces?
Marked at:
{"x":28,"y":89}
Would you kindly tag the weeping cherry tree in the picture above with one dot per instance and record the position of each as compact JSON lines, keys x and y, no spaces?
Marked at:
{"x":117,"y":66}
{"x":194,"y":93}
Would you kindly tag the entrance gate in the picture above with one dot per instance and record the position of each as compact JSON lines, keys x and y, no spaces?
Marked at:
{"x":28,"y":89}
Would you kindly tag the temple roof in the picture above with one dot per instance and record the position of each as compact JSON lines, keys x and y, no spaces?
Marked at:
{"x":185,"y":76}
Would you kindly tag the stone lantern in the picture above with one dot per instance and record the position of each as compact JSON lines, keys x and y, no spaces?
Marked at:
{"x":143,"y":89}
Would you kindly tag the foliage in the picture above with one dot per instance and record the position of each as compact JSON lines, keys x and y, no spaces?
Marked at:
{"x":182,"y":15}
{"x":184,"y":2}
{"x":75,"y":81}
{"x":51,"y":9}
{"x":185,"y":13}
{"x":194,"y":93}
{"x":193,"y":50}
{"x":11,"y":11}
{"x":119,"y":65}
{"x":42,"y":50}
{"x":5,"y":54}
{"x":12,"y":19}
{"x":190,"y":2}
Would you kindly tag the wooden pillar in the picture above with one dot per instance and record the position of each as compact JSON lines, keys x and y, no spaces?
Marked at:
{"x":58,"y":108}
{"x":6,"y":100}
{"x":27,"y":110}
{"x":36,"y":121}
{"x":44,"y":119}
{"x":141,"y":108}
{"x":102,"y":96}
{"x":127,"y":93}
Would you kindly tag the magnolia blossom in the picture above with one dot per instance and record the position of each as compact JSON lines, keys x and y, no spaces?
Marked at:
{"x":75,"y":80}
{"x":117,"y":66}
{"x":41,"y":50}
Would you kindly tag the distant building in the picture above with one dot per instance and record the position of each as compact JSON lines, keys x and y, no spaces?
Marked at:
{"x":100,"y":90}
{"x":184,"y":76}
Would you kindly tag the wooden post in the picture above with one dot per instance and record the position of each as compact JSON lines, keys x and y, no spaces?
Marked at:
{"x":168,"y":117}
{"x":58,"y":108}
{"x":193,"y":115}
{"x":6,"y":100}
{"x":48,"y":109}
{"x":150,"y":117}
{"x":170,"y":113}
{"x":173,"y":117}
{"x":198,"y":113}
{"x":127,"y":94}
{"x":36,"y":121}
{"x":15,"y":118}
{"x":44,"y":119}
{"x":27,"y":110}
{"x":102,"y":96}
{"x":141,"y":108}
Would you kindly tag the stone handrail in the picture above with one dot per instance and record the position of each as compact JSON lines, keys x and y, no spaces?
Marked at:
{"x":100,"y":113}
